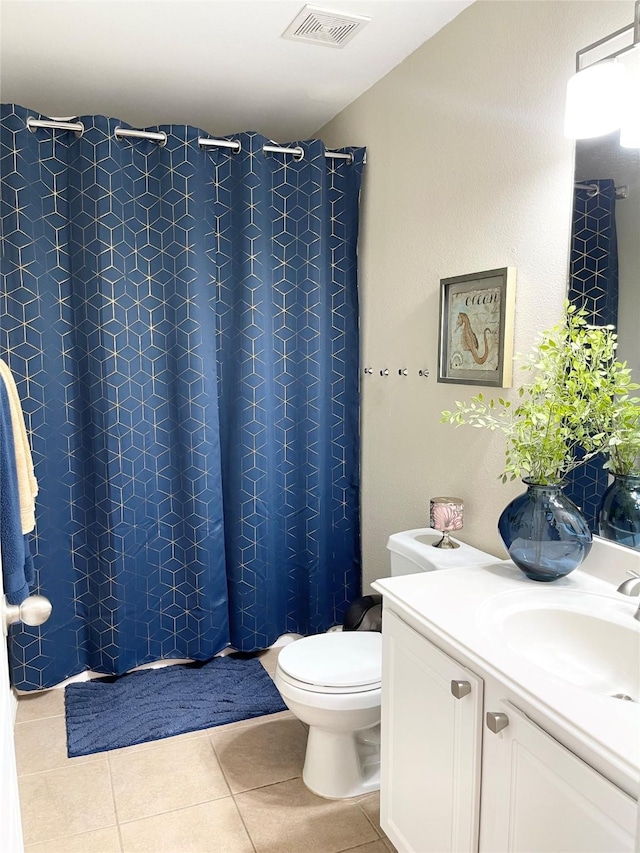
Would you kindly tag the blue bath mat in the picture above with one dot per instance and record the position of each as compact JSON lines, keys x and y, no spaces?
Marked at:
{"x":156,"y":703}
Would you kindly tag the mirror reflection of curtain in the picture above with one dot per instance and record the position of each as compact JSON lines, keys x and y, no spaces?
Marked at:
{"x":593,"y":285}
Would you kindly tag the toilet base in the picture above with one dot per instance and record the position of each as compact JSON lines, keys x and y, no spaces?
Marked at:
{"x":340,"y":765}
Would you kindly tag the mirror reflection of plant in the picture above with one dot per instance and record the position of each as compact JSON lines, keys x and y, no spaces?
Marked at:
{"x":576,"y":405}
{"x":623,"y":448}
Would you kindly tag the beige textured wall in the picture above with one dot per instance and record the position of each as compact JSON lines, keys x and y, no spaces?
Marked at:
{"x":467,"y":170}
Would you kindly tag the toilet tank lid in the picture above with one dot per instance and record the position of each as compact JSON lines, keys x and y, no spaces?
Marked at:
{"x":417,"y":545}
{"x":338,"y":659}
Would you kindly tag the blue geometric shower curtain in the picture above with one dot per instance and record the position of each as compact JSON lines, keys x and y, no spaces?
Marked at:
{"x":288,"y":355}
{"x":593,"y":285}
{"x":128,"y":272}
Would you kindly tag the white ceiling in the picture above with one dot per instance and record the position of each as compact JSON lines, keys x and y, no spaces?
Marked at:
{"x":217,"y":64}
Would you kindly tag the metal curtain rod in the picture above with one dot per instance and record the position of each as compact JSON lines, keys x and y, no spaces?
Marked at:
{"x":160,"y":137}
{"x":234,"y":144}
{"x":297,"y":152}
{"x":594,"y":190}
{"x":54,"y":124}
{"x":153,"y":136}
{"x":338,"y":155}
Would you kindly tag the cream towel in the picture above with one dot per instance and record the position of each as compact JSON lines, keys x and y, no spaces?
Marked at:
{"x":27,"y":483}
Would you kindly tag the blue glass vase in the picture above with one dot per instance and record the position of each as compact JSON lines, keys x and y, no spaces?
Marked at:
{"x":619,"y":518}
{"x":545,"y":534}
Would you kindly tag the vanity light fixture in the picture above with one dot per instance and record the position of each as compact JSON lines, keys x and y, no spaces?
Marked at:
{"x":594,"y":100}
{"x":603,"y":94}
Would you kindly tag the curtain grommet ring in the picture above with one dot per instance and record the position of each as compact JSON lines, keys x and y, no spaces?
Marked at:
{"x":75,"y":127}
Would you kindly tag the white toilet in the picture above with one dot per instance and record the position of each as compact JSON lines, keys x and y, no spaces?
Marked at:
{"x":332,"y":682}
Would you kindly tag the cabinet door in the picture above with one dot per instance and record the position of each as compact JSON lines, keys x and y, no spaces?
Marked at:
{"x":430,"y":751}
{"x":539,"y":796}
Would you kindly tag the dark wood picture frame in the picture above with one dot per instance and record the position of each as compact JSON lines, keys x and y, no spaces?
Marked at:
{"x":476,"y":328}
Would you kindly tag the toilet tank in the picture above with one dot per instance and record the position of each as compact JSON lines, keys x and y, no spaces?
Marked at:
{"x":412,"y":551}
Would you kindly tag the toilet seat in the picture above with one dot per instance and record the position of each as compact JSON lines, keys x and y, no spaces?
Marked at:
{"x":339,"y":662}
{"x":327,"y":689}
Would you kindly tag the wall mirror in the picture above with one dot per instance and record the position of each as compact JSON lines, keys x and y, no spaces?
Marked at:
{"x":604,"y":274}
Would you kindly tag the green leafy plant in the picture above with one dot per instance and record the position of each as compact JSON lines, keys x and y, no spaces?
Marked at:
{"x":576,"y":406}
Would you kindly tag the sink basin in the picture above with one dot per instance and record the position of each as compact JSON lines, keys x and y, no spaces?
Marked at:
{"x":588,"y":640}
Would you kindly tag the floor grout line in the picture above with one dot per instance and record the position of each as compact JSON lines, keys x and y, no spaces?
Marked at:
{"x":246,"y":828}
{"x":360,"y":846}
{"x":377,"y":831}
{"x":176,"y":809}
{"x":71,"y":835}
{"x":115,"y":804}
{"x":222,"y":770}
{"x":113,"y":790}
{"x":267,"y":785}
{"x":39,"y":719}
{"x":28,"y":847}
{"x":61,"y":767}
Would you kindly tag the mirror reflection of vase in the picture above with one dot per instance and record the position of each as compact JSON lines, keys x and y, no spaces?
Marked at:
{"x":619,"y":518}
{"x":544,"y":532}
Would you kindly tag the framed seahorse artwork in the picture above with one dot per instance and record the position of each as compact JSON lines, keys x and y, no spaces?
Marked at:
{"x":476,"y":328}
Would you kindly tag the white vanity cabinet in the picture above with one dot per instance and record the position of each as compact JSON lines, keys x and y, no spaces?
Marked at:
{"x":450,"y":783}
{"x":430,"y":747}
{"x":538,"y":796}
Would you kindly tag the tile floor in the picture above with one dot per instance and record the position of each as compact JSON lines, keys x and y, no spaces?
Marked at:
{"x":230,"y":789}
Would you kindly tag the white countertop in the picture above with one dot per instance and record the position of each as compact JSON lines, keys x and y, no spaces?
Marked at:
{"x":458,"y":606}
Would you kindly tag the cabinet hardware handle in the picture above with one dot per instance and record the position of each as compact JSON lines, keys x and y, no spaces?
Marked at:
{"x":496,"y":721}
{"x":460,"y":688}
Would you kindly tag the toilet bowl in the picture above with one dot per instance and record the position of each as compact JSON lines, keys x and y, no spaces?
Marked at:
{"x":332,"y":682}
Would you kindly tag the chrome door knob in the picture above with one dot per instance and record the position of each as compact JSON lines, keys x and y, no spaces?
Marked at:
{"x":33,"y":611}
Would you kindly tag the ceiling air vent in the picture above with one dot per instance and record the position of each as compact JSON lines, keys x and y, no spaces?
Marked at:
{"x":322,"y":27}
